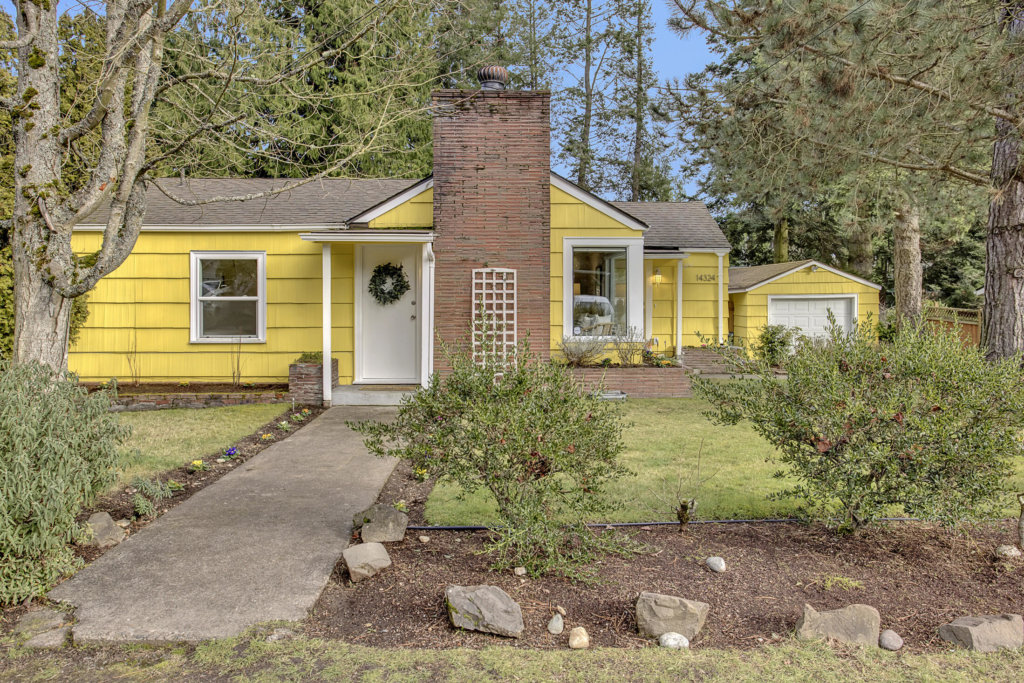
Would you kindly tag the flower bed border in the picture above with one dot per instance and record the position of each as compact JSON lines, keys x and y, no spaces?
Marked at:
{"x":139,"y":402}
{"x":638,"y":382}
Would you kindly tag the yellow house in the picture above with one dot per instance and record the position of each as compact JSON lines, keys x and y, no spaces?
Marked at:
{"x":378,"y":274}
{"x":798,"y":294}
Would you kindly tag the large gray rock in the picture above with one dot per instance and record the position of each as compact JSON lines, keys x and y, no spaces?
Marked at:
{"x":49,"y":639}
{"x":854,"y":624}
{"x":890,"y":640}
{"x":986,"y":633}
{"x":381,"y":524}
{"x":484,"y":608}
{"x":105,"y":533}
{"x":39,"y":621}
{"x":365,"y":560}
{"x":657,"y":614}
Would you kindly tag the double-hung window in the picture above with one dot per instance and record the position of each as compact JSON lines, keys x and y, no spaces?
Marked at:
{"x":603,"y":280}
{"x":228,"y":296}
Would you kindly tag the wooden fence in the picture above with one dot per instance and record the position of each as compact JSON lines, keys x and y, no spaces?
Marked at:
{"x":967,"y":321}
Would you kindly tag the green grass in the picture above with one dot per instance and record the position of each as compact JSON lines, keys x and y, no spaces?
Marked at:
{"x":251,"y":658}
{"x":166,"y":439}
{"x":661,"y":447}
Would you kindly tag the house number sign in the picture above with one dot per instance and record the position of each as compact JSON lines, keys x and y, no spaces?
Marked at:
{"x":706,"y":277}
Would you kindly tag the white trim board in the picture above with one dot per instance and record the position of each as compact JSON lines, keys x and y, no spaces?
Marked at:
{"x":834,"y":271}
{"x":596,"y":203}
{"x":391,"y":203}
{"x":395,"y":235}
{"x":93,"y":227}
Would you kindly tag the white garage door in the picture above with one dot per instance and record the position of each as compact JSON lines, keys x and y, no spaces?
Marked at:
{"x":811,"y":314}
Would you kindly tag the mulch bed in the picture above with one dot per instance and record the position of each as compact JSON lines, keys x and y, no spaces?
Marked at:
{"x":918,"y":576}
{"x":119,"y":505}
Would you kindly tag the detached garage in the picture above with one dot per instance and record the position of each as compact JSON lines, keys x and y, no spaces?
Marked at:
{"x":797,"y":294}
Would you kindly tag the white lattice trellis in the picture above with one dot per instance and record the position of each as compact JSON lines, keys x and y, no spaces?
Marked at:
{"x":494,"y":314}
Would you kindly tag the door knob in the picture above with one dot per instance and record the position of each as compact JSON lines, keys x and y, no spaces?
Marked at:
{"x":412,"y":317}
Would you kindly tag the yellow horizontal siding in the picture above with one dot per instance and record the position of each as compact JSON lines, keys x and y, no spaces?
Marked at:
{"x":415,"y":212}
{"x":751,"y":308}
{"x":140,"y":312}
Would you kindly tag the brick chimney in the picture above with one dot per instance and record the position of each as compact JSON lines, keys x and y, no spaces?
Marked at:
{"x":492,"y":203}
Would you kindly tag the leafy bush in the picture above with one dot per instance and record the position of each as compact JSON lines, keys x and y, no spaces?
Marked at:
{"x":541,"y":444}
{"x":310,"y":357}
{"x":774,"y":343}
{"x":58,"y":449}
{"x":581,"y":351}
{"x":923,"y":423}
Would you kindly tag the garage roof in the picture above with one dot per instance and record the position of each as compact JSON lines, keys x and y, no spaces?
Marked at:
{"x":743,"y":279}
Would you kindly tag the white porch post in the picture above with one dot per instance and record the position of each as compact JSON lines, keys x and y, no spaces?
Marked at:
{"x":326,"y":281}
{"x":679,"y":308}
{"x":427,"y":314}
{"x":721,"y":297}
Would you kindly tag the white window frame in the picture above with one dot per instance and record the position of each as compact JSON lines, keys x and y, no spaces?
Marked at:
{"x":634,"y":247}
{"x":195,"y":295}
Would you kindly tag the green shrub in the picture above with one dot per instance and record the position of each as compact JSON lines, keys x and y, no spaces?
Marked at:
{"x":923,"y":424}
{"x":541,"y":444}
{"x":58,"y":449}
{"x":310,"y":357}
{"x":774,"y":344}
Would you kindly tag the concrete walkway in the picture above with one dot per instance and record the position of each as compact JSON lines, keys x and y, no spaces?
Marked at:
{"x":257,"y":545}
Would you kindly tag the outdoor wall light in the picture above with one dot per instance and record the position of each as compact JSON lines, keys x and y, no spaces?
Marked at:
{"x":814,"y":269}
{"x":657,"y":276}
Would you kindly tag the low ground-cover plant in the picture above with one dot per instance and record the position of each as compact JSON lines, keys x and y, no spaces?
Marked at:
{"x":541,"y":444}
{"x":59,"y":446}
{"x":923,"y":423}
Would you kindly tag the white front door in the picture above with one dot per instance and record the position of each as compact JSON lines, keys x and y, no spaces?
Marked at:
{"x":387,"y":335}
{"x":810,"y":314}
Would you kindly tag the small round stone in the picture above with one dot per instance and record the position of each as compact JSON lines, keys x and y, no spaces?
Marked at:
{"x":560,"y":610}
{"x":715,"y":564}
{"x":424,"y":539}
{"x":1008,"y":552}
{"x":519,"y":571}
{"x":673,"y":641}
{"x":556,"y":625}
{"x":890,"y":640}
{"x":578,"y":638}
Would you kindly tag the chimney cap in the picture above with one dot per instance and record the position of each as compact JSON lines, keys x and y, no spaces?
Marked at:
{"x":492,"y":77}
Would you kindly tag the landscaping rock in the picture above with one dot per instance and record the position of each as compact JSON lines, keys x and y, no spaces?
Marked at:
{"x":560,"y":610}
{"x":715,"y":564}
{"x":578,"y":638}
{"x":49,"y":639}
{"x":986,"y":633}
{"x":854,"y":624}
{"x":381,"y":524}
{"x":519,"y":571}
{"x":1008,"y":552}
{"x":657,"y":614}
{"x":123,"y":523}
{"x":39,"y":621}
{"x":890,"y":640}
{"x":424,"y":539}
{"x":556,"y":625}
{"x":105,"y":533}
{"x":280,"y":634}
{"x":484,"y":608}
{"x":365,"y":560}
{"x":673,"y":641}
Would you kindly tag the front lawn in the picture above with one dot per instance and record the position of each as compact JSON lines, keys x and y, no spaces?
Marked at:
{"x":167,"y":439}
{"x":661,"y":447}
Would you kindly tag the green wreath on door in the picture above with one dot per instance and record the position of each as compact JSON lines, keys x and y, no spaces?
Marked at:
{"x":388,"y":283}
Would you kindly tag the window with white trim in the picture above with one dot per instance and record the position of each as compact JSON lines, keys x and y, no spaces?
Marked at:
{"x":228,"y":296}
{"x":603,"y":286}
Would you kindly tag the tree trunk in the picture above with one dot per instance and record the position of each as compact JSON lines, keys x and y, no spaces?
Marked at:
{"x":861,"y":253}
{"x":780,"y":242}
{"x":583,"y":171}
{"x":906,"y":262}
{"x":638,"y":113}
{"x":42,"y":315}
{"x":1002,"y":331}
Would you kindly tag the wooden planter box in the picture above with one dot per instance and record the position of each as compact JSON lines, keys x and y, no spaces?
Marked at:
{"x":640,"y":382}
{"x":306,"y":382}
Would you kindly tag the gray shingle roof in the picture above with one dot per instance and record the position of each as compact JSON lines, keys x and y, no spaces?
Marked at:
{"x":329,"y":201}
{"x":677,"y":225}
{"x":747,"y":276}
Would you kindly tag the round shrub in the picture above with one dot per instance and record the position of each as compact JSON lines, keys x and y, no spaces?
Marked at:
{"x":59,"y":447}
{"x":921,"y":425}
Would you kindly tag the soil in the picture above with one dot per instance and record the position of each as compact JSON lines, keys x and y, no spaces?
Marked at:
{"x":917,"y":575}
{"x":119,"y":505}
{"x":194,"y":388}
